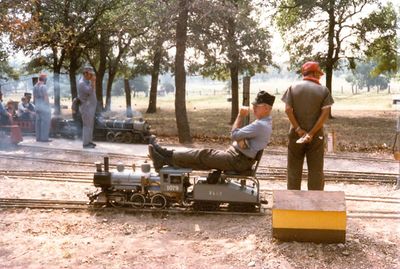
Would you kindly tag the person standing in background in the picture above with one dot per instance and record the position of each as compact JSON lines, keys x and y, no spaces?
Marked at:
{"x":88,"y":103}
{"x":307,"y":107}
{"x":43,"y":111}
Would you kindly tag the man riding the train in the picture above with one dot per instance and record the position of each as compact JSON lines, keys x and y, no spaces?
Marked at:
{"x":239,"y":157}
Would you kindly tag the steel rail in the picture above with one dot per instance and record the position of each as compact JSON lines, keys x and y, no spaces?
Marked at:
{"x":345,"y":156}
{"x":263,"y":173}
{"x":81,"y":205}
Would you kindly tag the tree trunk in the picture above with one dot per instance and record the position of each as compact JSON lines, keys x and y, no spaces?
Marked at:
{"x":73,"y":67}
{"x":180,"y":74}
{"x":56,"y":83}
{"x":111,"y":76}
{"x":57,"y":63}
{"x":234,"y":71}
{"x":233,"y":68}
{"x":127,"y":88}
{"x":101,"y":70}
{"x":330,"y":61}
{"x":152,"y":108}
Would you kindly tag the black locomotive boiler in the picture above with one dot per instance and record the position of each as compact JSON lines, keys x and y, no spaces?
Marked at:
{"x":174,"y":187}
{"x":122,"y":131}
{"x":119,"y":131}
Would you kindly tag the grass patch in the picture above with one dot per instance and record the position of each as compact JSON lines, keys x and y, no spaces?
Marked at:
{"x":363,"y":123}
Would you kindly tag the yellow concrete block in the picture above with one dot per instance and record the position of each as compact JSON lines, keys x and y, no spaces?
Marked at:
{"x":315,"y":216}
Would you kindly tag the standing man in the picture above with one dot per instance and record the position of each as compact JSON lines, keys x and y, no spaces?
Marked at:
{"x":88,"y":103}
{"x":43,"y":111}
{"x":307,"y":107}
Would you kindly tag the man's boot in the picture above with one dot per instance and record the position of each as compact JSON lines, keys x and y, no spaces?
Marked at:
{"x":162,"y":151}
{"x":158,"y":160}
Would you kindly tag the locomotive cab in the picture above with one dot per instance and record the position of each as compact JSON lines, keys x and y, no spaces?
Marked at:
{"x":174,"y":182}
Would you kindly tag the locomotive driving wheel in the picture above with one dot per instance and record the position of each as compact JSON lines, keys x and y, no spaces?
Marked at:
{"x":110,"y":137}
{"x":159,"y":201}
{"x":137,"y":137}
{"x":119,"y":137}
{"x":138,"y":200}
{"x":127,"y":137}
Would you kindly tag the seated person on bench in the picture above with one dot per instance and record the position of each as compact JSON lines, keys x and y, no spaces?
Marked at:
{"x":26,"y":110}
{"x":5,"y":117}
{"x":239,"y":157}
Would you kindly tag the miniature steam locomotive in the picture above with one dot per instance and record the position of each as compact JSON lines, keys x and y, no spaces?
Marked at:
{"x":173,"y":187}
{"x":120,"y":131}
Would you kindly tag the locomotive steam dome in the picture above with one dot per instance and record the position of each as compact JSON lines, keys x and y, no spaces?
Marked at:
{"x":145,"y":167}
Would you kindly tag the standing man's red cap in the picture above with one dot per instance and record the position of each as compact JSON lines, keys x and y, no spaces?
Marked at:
{"x":309,"y":67}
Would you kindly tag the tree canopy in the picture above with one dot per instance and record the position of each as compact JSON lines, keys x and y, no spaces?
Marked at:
{"x":328,"y":31}
{"x":220,"y":39}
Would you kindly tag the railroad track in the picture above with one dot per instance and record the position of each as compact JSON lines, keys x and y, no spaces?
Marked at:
{"x":83,"y":205}
{"x":42,"y":204}
{"x":343,"y":156}
{"x":264,"y":173}
{"x":8,"y":203}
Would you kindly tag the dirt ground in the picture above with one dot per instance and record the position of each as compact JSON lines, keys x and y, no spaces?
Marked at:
{"x":33,"y":238}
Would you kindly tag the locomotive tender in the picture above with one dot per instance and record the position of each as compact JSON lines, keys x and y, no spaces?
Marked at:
{"x":174,"y":187}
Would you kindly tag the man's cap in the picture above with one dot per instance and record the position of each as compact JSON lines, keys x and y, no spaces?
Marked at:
{"x":88,"y":69}
{"x":264,"y":98}
{"x":311,"y":66}
{"x":27,"y":94}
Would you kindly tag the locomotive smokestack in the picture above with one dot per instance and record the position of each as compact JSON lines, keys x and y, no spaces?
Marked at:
{"x":106,"y":164}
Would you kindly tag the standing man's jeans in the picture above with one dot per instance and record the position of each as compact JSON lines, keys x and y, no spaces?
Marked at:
{"x":88,"y":111}
{"x":314,"y":152}
{"x":42,"y":123}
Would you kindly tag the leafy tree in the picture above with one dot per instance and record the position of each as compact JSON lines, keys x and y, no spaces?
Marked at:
{"x":363,"y":76}
{"x":140,"y":84}
{"x":231,"y":41}
{"x":329,"y":30}
{"x":61,"y":27}
{"x":114,"y":44}
{"x":384,"y":50}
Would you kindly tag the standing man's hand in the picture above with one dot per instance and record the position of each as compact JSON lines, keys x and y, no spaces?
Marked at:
{"x":300,"y":132}
{"x":93,"y":81}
